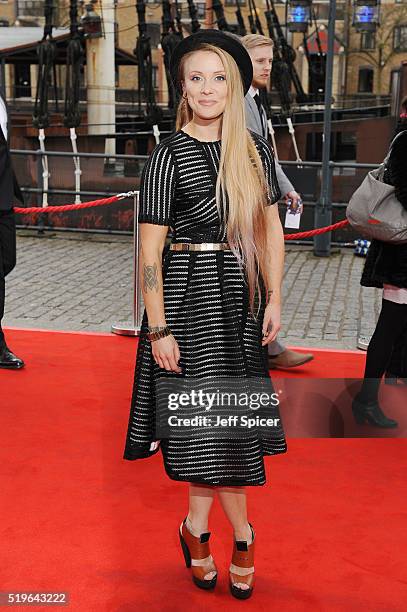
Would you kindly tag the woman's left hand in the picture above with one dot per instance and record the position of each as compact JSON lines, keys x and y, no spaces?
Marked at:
{"x":272,"y":321}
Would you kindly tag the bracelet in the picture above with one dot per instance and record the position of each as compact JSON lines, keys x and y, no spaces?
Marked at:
{"x":156,"y":335}
{"x":156,"y":328}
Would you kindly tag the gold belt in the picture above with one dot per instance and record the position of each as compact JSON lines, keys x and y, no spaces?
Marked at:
{"x":201,"y":246}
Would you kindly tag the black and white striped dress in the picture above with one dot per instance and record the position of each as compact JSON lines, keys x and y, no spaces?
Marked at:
{"x":207,"y":309}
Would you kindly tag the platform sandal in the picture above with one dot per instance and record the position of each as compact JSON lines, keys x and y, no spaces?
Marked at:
{"x":242,"y":567}
{"x":195,"y":549}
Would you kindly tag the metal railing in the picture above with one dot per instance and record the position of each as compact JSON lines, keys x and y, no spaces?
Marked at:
{"x":129,"y":98}
{"x":103,"y":176}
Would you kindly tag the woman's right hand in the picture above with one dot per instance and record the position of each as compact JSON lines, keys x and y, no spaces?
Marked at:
{"x":166,"y":353}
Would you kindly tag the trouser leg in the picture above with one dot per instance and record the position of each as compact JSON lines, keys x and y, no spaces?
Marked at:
{"x":7,"y":256}
{"x":275,"y":348}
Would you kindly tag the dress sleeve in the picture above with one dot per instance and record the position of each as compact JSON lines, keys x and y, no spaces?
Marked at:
{"x":157,"y":187}
{"x":267,"y":155}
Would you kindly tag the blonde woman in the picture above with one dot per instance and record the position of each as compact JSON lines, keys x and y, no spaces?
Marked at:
{"x":213,"y":298}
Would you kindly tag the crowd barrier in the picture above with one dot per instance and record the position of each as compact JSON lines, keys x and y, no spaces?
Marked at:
{"x":133,"y":328}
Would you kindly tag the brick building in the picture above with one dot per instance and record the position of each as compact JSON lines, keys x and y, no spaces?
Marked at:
{"x":363,"y":63}
{"x":7,"y":12}
{"x":371,"y":57}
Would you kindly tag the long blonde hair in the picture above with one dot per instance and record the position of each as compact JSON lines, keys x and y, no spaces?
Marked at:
{"x":241,"y":176}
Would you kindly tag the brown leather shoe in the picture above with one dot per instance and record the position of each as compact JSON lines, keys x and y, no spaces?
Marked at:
{"x":289,"y":359}
{"x":242,"y":567}
{"x":195,"y":549}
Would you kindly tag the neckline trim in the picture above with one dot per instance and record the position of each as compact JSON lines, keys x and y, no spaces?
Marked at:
{"x":200,"y":141}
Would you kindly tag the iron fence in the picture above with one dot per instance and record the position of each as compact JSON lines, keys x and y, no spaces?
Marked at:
{"x":104,"y":175}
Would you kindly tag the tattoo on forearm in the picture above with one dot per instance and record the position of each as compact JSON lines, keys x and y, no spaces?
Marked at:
{"x":150,"y":278}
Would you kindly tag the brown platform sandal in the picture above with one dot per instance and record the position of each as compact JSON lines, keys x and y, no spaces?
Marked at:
{"x":195,"y":549}
{"x":242,"y":567}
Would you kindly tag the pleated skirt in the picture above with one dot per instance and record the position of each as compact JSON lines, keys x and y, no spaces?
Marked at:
{"x":207,"y":308}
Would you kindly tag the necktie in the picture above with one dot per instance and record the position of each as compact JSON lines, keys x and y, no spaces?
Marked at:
{"x":257,"y":100}
{"x":259,"y":107}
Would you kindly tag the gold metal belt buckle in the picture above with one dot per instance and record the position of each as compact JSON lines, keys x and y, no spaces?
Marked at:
{"x":202,"y":246}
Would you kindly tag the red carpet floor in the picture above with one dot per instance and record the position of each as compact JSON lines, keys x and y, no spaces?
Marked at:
{"x":331,"y":521}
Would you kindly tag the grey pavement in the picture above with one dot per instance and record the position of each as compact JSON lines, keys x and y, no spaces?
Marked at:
{"x":73,"y":281}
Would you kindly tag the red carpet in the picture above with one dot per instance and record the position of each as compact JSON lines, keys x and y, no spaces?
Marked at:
{"x":331,"y":520}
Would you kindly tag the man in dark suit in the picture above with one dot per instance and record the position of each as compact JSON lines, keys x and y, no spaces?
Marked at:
{"x":8,"y":190}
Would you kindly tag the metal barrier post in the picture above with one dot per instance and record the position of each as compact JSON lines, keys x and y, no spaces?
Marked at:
{"x":323,"y":208}
{"x":40,"y":194}
{"x":127,"y":328}
{"x":323,"y":218}
{"x":40,"y":178}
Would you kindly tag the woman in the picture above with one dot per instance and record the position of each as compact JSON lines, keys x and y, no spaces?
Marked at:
{"x":213,"y":182}
{"x":386,"y":267}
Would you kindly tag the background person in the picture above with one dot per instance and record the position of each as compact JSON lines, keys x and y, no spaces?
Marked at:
{"x":260,"y":49}
{"x":8,"y":190}
{"x":385,"y":267}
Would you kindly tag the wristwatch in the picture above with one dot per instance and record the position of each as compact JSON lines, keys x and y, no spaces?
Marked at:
{"x":155,"y":333}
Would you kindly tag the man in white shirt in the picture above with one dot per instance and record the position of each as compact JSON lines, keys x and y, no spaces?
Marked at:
{"x":260,"y":49}
{"x":8,"y":190}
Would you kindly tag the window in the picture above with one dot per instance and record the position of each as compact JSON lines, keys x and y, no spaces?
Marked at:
{"x":184,"y":10}
{"x":400,"y":38}
{"x":30,"y":8}
{"x":322,"y":10}
{"x":233,"y":2}
{"x":22,"y":81}
{"x":153,"y":31}
{"x":365,"y":84}
{"x":367,"y":41}
{"x":200,"y":9}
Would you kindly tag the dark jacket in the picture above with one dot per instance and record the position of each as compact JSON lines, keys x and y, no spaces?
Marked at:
{"x":386,"y":262}
{"x":9,"y":188}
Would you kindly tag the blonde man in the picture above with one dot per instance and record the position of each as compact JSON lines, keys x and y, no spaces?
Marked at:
{"x":260,"y":49}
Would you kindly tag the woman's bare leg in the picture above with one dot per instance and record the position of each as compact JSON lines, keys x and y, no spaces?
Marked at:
{"x":200,"y":502}
{"x":234,"y":504}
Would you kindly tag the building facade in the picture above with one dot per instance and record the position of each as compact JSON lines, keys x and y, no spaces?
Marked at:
{"x":363,"y":63}
{"x":7,"y":12}
{"x":372,"y":57}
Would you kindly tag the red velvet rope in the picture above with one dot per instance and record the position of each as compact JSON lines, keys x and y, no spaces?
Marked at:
{"x":115,"y":198}
{"x":315,"y":232}
{"x":66,"y":207}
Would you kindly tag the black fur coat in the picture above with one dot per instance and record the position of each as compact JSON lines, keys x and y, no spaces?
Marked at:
{"x":386,"y":262}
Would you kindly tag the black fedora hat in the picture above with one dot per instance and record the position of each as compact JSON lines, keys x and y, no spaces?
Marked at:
{"x":217,"y":38}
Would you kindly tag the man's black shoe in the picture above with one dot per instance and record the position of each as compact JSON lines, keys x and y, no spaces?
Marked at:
{"x":8,"y":360}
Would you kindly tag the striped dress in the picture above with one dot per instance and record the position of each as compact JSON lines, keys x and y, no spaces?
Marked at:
{"x":207,"y":308}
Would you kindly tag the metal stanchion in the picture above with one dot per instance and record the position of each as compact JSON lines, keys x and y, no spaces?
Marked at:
{"x":363,"y":343}
{"x":127,"y":328}
{"x":323,"y":208}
